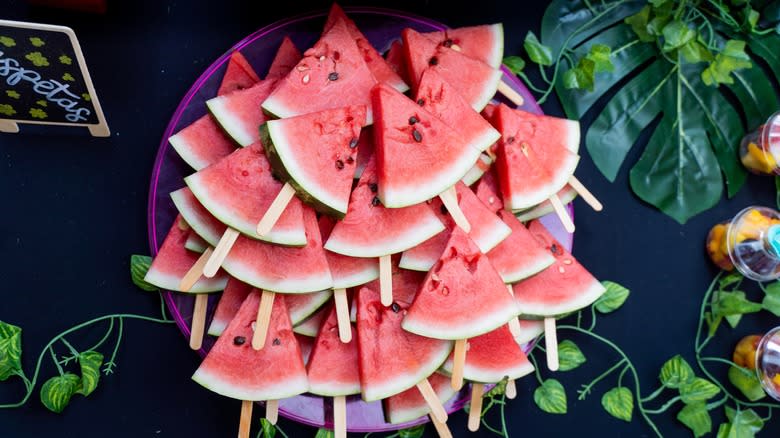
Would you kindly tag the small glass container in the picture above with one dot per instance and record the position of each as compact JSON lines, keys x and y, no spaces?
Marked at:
{"x":768,"y":363}
{"x":759,"y":150}
{"x":753,"y":243}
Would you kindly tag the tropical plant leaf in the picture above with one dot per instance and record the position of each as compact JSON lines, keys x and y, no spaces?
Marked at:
{"x":675,"y":372}
{"x":619,"y":402}
{"x":10,"y":350}
{"x":612,"y":299}
{"x":57,"y":391}
{"x":569,"y":355}
{"x":551,"y":397}
{"x":696,"y":418}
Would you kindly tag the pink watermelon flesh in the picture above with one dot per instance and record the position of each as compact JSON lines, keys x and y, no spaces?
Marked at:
{"x":173,"y":261}
{"x":391,"y":360}
{"x":307,"y":344}
{"x":410,"y":404}
{"x":566,"y":195}
{"x":484,"y":42}
{"x":239,"y":113}
{"x":310,"y":326}
{"x":487,"y":230}
{"x":234,"y":369}
{"x":201,"y":221}
{"x":492,"y":357}
{"x":534,"y":161}
{"x":371,"y":230}
{"x":480,"y":167}
{"x":519,"y":256}
{"x":365,"y":150}
{"x":566,"y":286}
{"x":395,"y":58}
{"x":443,"y":100}
{"x":316,"y":154}
{"x":347,"y":271}
{"x":332,"y":74}
{"x":487,"y":191}
{"x":476,"y":81}
{"x":196,"y":243}
{"x":202,"y":143}
{"x":333,"y":365}
{"x":286,"y":57}
{"x":462,"y":296}
{"x":530,"y":329}
{"x":282,"y":269}
{"x":239,"y":75}
{"x":238,"y":190}
{"x":380,"y":69}
{"x":488,"y":112}
{"x":419,"y":160}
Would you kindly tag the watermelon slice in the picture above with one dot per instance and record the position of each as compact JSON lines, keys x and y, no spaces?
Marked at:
{"x":307,"y":344}
{"x":418,"y":155}
{"x":564,"y":287}
{"x":380,"y":69}
{"x":530,"y":329}
{"x":566,"y":195}
{"x":201,"y":221}
{"x":347,"y":271}
{"x":239,"y":75}
{"x":332,"y":74}
{"x":239,"y":113}
{"x":286,"y":57}
{"x":514,"y":265}
{"x":196,"y":243}
{"x":402,"y":359}
{"x":238,"y":191}
{"x":365,"y":150}
{"x":173,"y":261}
{"x":487,"y":231}
{"x":476,"y":81}
{"x":484,"y":42}
{"x":534,"y":160}
{"x":234,"y":369}
{"x":316,"y":154}
{"x":410,"y":404}
{"x":492,"y":357}
{"x":395,"y":58}
{"x":462,"y":296}
{"x":371,"y":230}
{"x":332,"y":367}
{"x":480,"y":167}
{"x":487,"y":191}
{"x":282,"y":269}
{"x":310,"y":326}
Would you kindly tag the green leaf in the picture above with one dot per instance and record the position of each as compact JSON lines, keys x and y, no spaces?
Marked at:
{"x":747,"y":382}
{"x":744,"y":424}
{"x":601,"y":54}
{"x":619,"y":402}
{"x":751,"y":16}
{"x":733,"y":303}
{"x":581,"y":77}
{"x":324,"y":433}
{"x":10,"y":350}
{"x":139,"y":266}
{"x":537,"y":52}
{"x":57,"y":391}
{"x":730,"y":279}
{"x":569,"y":355}
{"x":497,"y":390}
{"x":698,"y":390}
{"x":412,"y":432}
{"x":694,"y":51}
{"x":676,"y":372}
{"x":696,"y":418}
{"x":733,"y":320}
{"x":729,"y":60}
{"x":551,"y":397}
{"x":613,"y":298}
{"x":677,"y":34}
{"x":638,"y":23}
{"x":267,"y":430}
{"x":771,"y":301}
{"x":90,"y":363}
{"x":515,"y":64}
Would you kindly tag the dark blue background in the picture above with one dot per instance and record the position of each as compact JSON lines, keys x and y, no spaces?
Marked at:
{"x":74,"y":209}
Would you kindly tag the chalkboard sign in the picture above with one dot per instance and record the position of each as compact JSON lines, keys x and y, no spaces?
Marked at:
{"x":44,"y":79}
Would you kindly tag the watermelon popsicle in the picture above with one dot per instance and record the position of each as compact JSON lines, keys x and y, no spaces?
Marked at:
{"x":410,"y":404}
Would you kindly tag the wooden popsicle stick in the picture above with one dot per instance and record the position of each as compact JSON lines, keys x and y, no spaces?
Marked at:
{"x":458,"y":362}
{"x":9,"y":127}
{"x":511,"y":389}
{"x":198,"y":321}
{"x":386,"y":280}
{"x":510,"y":93}
{"x":272,"y":411}
{"x":514,"y":323}
{"x":450,"y":199}
{"x":475,"y":412}
{"x":220,"y":252}
{"x":193,"y":275}
{"x":551,"y":343}
{"x":340,"y":417}
{"x":263,"y":319}
{"x":441,"y":428}
{"x":563,"y":215}
{"x":342,"y":315}
{"x":275,"y":209}
{"x":437,"y":410}
{"x":246,"y":419}
{"x":585,"y":193}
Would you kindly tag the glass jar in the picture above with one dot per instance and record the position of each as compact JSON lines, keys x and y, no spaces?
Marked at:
{"x":753,"y":243}
{"x":759,"y":150}
{"x":768,"y":363}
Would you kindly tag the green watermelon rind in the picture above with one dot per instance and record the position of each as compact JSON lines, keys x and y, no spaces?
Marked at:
{"x":481,"y":375}
{"x":539,"y":265}
{"x":307,"y":328}
{"x":357,"y":279}
{"x":276,"y":390}
{"x":392,"y":244}
{"x":195,"y":243}
{"x":171,"y":282}
{"x":184,"y":149}
{"x":277,"y":151}
{"x":527,"y":335}
{"x":313,"y":282}
{"x":561,"y":178}
{"x":476,"y":172}
{"x":229,"y":122}
{"x":413,"y":263}
{"x":585,"y":297}
{"x":497,"y":56}
{"x":201,"y":228}
{"x":402,"y":416}
{"x":301,"y":314}
{"x":491,"y":87}
{"x":480,"y":324}
{"x":544,"y":208}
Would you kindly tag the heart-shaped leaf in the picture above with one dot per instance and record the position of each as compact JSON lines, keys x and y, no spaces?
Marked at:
{"x":90,"y":363}
{"x":57,"y":391}
{"x":551,"y":397}
{"x":139,"y":266}
{"x":698,"y":390}
{"x":619,"y":402}
{"x":569,"y":356}
{"x":675,"y":372}
{"x":613,"y":298}
{"x":10,"y":350}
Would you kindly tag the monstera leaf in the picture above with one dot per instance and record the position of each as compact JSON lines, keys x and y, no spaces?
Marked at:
{"x":658,"y":85}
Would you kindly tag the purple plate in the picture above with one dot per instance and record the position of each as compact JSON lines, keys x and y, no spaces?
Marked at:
{"x":381,"y":27}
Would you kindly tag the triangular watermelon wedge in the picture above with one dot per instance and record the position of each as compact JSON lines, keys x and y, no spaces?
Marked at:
{"x":418,"y":155}
{"x":519,"y":256}
{"x":566,"y":195}
{"x":196,"y":243}
{"x":239,"y":113}
{"x":487,"y":230}
{"x":564,"y":287}
{"x":239,"y":75}
{"x":484,"y":42}
{"x":332,"y":74}
{"x":371,"y":230}
{"x":239,"y":189}
{"x":487,"y":190}
{"x":365,"y":150}
{"x":462,"y":296}
{"x":347,"y":271}
{"x":379,"y":68}
{"x":410,"y":404}
{"x":173,"y":261}
{"x":307,"y":344}
{"x":492,"y":357}
{"x":201,"y":221}
{"x":234,"y":369}
{"x":405,"y":283}
{"x":396,"y":59}
{"x":333,"y":365}
{"x":285,"y":59}
{"x":530,"y":329}
{"x":480,"y":167}
{"x":316,"y":154}
{"x":476,"y":81}
{"x":391,"y":359}
{"x":310,"y":326}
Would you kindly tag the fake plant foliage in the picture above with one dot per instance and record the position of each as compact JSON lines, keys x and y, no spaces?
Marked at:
{"x":694,"y":74}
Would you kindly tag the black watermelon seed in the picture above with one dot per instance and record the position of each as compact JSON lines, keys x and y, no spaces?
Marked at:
{"x":350,"y":160}
{"x":413,"y":120}
{"x":510,"y":140}
{"x":433,"y":61}
{"x":353,"y":143}
{"x":276,"y":342}
{"x":334,"y":76}
{"x":554,"y":249}
{"x":374,"y":187}
{"x":395,"y":307}
{"x":421,"y":101}
{"x":417,"y":136}
{"x":375,"y":201}
{"x":443,"y":209}
{"x":239,"y":340}
{"x":339,"y":164}
{"x":447,"y":43}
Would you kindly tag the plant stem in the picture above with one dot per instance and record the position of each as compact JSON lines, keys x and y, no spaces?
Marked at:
{"x":625,"y":47}
{"x":536,"y":367}
{"x":111,"y":363}
{"x":666,"y":406}
{"x":105,"y":337}
{"x":718,"y":403}
{"x":73,"y":351}
{"x":586,"y":389}
{"x":54,"y":359}
{"x":655,"y":394}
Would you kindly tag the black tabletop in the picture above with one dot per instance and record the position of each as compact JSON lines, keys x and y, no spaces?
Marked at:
{"x":74,"y":209}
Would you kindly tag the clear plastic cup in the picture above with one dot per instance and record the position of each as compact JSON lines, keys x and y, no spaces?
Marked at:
{"x":759,"y":150}
{"x":753,"y":243}
{"x":768,"y":363}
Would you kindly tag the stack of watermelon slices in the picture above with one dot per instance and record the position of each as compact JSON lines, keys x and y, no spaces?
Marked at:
{"x":337,"y":112}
